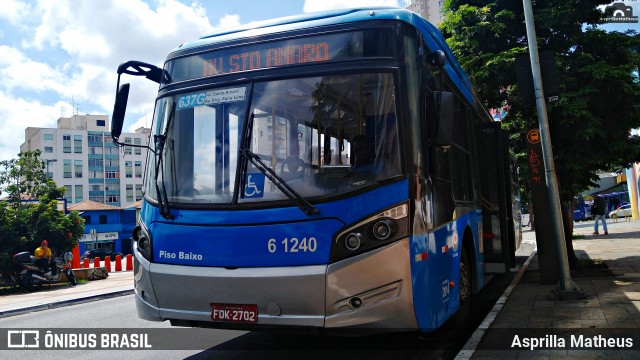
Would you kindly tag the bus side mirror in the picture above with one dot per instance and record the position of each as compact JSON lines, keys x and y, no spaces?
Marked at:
{"x":119,"y":109}
{"x":442,"y":118}
{"x":436,"y":58}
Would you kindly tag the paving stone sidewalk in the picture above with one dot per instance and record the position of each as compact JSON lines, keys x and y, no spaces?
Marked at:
{"x":611,"y":309}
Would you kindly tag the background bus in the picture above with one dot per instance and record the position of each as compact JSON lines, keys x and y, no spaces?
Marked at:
{"x":329,"y":171}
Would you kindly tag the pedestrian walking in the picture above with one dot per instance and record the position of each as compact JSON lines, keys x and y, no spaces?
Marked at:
{"x":599,"y":212}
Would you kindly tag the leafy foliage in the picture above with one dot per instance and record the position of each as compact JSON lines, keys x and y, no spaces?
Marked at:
{"x":597,"y":72}
{"x":600,"y":95}
{"x":24,"y":223}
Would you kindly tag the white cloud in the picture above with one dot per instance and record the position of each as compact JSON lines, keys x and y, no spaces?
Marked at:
{"x":73,"y":48}
{"x":15,"y":112}
{"x":144,"y":121}
{"x":321,"y":5}
{"x":19,"y":72}
{"x":13,"y":11}
{"x":228,"y":21}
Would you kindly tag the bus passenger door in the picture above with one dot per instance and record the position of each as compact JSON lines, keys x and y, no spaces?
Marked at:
{"x":499,"y":238}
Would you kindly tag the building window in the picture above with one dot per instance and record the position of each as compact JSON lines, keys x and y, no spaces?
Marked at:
{"x":48,"y":137}
{"x":113,"y":199}
{"x":93,"y":174}
{"x":66,"y":144}
{"x":107,"y":139}
{"x":48,"y":149}
{"x":129,"y":193}
{"x":96,"y":187}
{"x":95,"y":162}
{"x":138,"y":192}
{"x":78,"y":168}
{"x":138,"y":169}
{"x":137,"y":150}
{"x":112,"y":174}
{"x":111,"y":150}
{"x":96,"y":198}
{"x":67,"y":169}
{"x":77,"y":144}
{"x":87,"y":220}
{"x":67,"y":193}
{"x":127,"y":149}
{"x":79,"y":193}
{"x":101,"y":122}
{"x":94,"y":138}
{"x":95,"y":150}
{"x":128,"y":168}
{"x":112,"y":187}
{"x":102,"y":219}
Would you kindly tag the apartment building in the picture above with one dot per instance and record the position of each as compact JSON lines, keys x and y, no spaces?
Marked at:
{"x":81,"y":156}
{"x":428,"y":9}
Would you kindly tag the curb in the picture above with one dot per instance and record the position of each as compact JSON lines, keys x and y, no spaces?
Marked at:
{"x":64,"y":303}
{"x":472,"y":344}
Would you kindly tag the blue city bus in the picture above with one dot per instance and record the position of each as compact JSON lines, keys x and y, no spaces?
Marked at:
{"x":329,"y":171}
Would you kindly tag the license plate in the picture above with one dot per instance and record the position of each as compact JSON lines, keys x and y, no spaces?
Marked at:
{"x":235,"y":313}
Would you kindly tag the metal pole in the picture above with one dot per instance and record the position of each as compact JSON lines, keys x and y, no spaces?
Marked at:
{"x":547,"y":154}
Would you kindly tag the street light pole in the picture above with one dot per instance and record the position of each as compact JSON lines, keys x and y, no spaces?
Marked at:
{"x":566,"y":285}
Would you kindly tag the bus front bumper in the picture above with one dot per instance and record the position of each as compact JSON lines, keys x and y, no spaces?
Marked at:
{"x":370,"y":291}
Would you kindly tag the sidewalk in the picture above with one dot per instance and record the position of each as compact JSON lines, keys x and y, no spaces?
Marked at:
{"x":610,"y":311}
{"x":57,"y":295}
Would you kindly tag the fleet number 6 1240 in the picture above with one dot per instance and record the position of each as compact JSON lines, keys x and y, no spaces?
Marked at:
{"x":292,"y":245}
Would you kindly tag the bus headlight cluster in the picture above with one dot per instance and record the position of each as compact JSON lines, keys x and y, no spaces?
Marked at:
{"x":143,"y":240}
{"x":376,"y":230}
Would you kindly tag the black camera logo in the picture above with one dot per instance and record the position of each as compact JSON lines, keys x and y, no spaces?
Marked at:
{"x":618,"y":12}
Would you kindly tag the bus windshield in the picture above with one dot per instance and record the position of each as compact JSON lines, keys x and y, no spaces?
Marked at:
{"x":323,"y":136}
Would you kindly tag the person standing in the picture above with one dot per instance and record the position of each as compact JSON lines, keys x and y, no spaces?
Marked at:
{"x":599,"y":212}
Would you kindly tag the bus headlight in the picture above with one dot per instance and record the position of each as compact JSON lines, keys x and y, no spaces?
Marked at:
{"x":384,"y":229}
{"x":353,"y":241}
{"x":374,"y":231}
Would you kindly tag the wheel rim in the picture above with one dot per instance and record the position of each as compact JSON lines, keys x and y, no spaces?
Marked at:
{"x":465,"y":277}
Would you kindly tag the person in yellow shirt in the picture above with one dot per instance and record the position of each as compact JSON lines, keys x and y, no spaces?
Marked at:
{"x":44,"y":258}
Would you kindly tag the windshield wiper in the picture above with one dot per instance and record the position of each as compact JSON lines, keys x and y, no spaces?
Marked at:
{"x":248,"y":155}
{"x":163,"y":199}
{"x":301,"y":202}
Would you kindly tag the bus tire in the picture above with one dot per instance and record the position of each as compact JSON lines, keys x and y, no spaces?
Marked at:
{"x":461,"y":319}
{"x":466,"y":288}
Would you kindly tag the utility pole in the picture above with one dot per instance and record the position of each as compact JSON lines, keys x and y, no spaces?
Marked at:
{"x":566,"y":287}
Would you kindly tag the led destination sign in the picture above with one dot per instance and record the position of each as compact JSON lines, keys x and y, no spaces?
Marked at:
{"x":254,"y":60}
{"x":314,"y":49}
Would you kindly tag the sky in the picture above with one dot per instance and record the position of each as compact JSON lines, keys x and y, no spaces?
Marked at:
{"x":59,"y":57}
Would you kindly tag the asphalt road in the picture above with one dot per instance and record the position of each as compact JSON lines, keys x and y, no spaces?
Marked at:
{"x":120,"y":313}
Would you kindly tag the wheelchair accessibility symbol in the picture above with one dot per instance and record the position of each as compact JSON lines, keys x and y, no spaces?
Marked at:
{"x":254,"y":186}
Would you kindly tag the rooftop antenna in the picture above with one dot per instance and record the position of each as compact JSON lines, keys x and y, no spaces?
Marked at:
{"x":75,"y":108}
{"x":62,"y":111}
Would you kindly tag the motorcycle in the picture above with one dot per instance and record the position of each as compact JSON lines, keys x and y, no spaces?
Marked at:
{"x":31,"y":277}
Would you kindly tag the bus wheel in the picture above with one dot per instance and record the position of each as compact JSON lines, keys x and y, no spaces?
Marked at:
{"x":465,"y":278}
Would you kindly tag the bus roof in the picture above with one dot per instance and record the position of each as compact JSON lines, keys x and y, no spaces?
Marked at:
{"x":430,"y":34}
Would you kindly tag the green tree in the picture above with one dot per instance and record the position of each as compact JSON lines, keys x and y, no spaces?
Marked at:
{"x":24,"y":224}
{"x":600,"y":96}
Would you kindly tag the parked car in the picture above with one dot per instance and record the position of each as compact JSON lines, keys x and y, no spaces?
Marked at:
{"x":101,"y":253}
{"x":622,"y":211}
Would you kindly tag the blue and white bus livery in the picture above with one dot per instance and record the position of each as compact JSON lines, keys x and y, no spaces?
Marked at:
{"x":328,"y":171}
